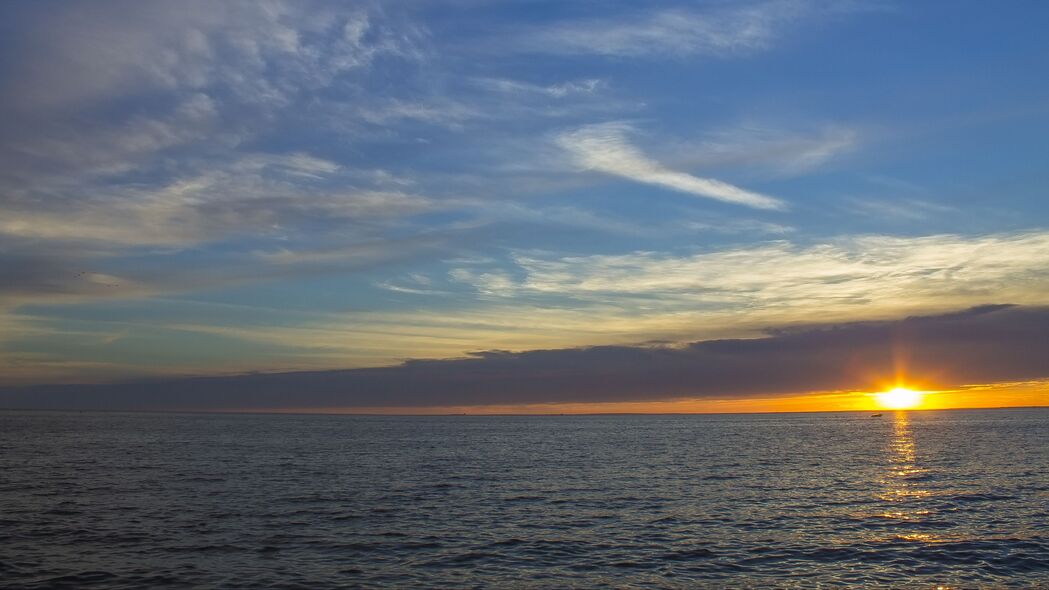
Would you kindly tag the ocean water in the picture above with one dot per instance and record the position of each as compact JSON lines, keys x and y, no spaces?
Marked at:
{"x":915,"y":499}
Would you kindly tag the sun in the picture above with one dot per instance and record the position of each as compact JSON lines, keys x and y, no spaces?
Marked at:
{"x":899,"y":398}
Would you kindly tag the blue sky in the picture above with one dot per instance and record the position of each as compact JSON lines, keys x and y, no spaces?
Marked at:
{"x":198,"y":188}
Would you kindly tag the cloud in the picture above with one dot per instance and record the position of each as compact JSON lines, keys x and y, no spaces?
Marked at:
{"x":784,"y":152}
{"x":356,"y":255}
{"x":584,"y":86}
{"x":443,"y":112}
{"x":781,"y":281}
{"x":490,"y":211}
{"x":56,"y":154}
{"x":127,"y":125}
{"x":605,"y":148}
{"x":899,"y":209}
{"x":738,"y":30}
{"x":750,"y":227}
{"x":486,"y":283}
{"x":253,"y":52}
{"x":987,"y":344}
{"x":540,"y":299}
{"x":31,"y":276}
{"x":258,"y":193}
{"x":108,"y":89}
{"x":89,"y":256}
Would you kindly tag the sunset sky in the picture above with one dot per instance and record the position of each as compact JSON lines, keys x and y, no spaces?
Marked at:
{"x":523,"y":206}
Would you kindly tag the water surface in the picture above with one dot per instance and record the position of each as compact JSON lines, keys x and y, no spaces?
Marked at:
{"x":916,"y":499}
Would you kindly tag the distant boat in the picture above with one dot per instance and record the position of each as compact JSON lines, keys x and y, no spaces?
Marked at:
{"x":875,"y":415}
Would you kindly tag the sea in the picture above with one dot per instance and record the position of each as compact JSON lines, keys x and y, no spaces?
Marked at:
{"x":918,"y":499}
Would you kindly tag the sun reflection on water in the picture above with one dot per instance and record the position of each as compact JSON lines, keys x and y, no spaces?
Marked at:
{"x":905,"y":489}
{"x":905,"y":474}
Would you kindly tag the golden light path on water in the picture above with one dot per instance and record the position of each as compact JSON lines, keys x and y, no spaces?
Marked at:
{"x":903,"y":468}
{"x":903,"y":487}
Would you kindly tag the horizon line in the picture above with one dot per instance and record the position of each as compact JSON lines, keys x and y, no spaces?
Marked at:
{"x":432,"y":415}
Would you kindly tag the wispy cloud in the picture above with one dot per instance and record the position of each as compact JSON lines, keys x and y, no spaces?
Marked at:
{"x":563,"y":89}
{"x":869,"y":274}
{"x":261,"y":193}
{"x":255,"y":53}
{"x":749,"y":227}
{"x":544,"y":300}
{"x":606,"y":148}
{"x":784,"y":152}
{"x":907,"y":209}
{"x":348,"y":256}
{"x":200,"y":76}
{"x":442,"y":112}
{"x":29,"y":276}
{"x":717,"y":31}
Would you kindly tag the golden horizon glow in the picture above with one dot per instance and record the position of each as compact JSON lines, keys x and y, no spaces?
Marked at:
{"x":1033,"y":393}
{"x":899,"y":398}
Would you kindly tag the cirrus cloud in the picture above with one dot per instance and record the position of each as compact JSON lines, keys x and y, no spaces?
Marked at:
{"x":605,"y":148}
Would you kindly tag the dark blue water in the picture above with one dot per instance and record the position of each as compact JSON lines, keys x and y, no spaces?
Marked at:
{"x":917,"y":499}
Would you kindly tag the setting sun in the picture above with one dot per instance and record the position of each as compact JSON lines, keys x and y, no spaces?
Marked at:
{"x":899,"y":398}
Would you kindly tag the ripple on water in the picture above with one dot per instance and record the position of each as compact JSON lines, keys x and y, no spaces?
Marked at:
{"x":795,"y":501}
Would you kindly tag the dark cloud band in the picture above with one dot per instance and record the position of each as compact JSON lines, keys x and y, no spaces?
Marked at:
{"x":980,"y":345}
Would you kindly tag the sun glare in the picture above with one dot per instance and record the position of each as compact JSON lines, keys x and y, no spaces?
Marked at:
{"x":899,"y":398}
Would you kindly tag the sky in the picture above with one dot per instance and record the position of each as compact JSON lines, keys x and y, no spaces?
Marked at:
{"x":522,"y":206}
